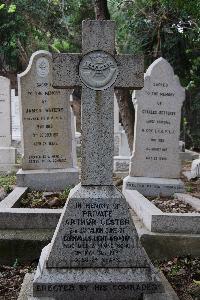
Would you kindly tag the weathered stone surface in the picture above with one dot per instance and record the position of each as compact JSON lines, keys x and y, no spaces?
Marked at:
{"x":148,"y":186}
{"x":97,"y":137}
{"x":7,"y":153}
{"x":157,"y":221}
{"x":46,"y":117}
{"x":157,"y":128}
{"x":193,"y":201}
{"x":48,"y":180}
{"x":99,"y":283}
{"x":5,"y":112}
{"x":95,"y":231}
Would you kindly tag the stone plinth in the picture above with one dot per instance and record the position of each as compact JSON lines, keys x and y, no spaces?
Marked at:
{"x":95,"y":251}
{"x":154,"y":186}
{"x":48,"y":180}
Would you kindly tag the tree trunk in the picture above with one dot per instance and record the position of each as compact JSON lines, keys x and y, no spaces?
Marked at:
{"x":127,"y":113}
{"x":101,"y":10}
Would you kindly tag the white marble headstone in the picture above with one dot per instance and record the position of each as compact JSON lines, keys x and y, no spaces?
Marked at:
{"x":5,"y":115}
{"x":157,"y":125}
{"x":46,"y":117}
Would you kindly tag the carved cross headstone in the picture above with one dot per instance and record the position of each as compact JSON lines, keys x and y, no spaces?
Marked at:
{"x":95,"y":252}
{"x":98,"y":72}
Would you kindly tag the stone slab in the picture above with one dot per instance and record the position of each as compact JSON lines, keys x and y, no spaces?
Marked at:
{"x":26,"y":290}
{"x":24,"y":244}
{"x":29,"y":218}
{"x":168,"y":245}
{"x":100,"y":283}
{"x":154,"y":186}
{"x":157,"y":221}
{"x":193,"y":201}
{"x":48,"y":179}
{"x":13,"y":198}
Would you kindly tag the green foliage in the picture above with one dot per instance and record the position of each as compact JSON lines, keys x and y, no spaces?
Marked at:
{"x":27,"y":26}
{"x":171,"y":29}
{"x":7,"y":182}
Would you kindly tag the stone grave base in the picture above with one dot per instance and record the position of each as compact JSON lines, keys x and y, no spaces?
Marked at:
{"x":27,"y":291}
{"x":157,"y":221}
{"x":121,"y":164}
{"x":48,"y":179}
{"x":153,"y":186}
{"x":93,"y":283}
{"x":7,"y":159}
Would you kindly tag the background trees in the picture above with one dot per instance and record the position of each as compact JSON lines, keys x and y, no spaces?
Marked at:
{"x":168,"y":28}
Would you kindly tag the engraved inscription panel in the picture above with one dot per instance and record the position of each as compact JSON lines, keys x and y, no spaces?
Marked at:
{"x":98,"y":70}
{"x":158,"y":109}
{"x":46,"y":119}
{"x":97,"y":233}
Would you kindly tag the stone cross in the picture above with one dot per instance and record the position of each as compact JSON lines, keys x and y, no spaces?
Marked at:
{"x":95,"y":252}
{"x":98,"y":70}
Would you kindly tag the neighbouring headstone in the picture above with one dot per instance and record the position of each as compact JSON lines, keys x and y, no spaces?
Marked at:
{"x":16,"y":132}
{"x":95,"y":252}
{"x":195,"y":168}
{"x":7,"y":153}
{"x":49,"y":156}
{"x":121,"y":162}
{"x":155,"y":163}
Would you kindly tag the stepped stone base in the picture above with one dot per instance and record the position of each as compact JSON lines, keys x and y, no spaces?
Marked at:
{"x":154,"y":186}
{"x":95,"y":252}
{"x":48,"y":180}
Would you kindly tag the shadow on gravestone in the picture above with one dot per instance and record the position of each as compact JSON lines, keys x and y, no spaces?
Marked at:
{"x":48,"y":138}
{"x":95,"y":252}
{"x":155,"y":163}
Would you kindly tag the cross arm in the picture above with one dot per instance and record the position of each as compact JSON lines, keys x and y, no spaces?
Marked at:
{"x":65,"y":70}
{"x":131,"y":71}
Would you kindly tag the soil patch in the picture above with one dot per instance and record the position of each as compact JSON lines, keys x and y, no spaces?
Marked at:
{"x":183,"y":273}
{"x":37,"y":199}
{"x":11,"y":278}
{"x":171,"y":205}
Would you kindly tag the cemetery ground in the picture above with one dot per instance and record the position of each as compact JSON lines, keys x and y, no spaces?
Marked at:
{"x":182,"y":272}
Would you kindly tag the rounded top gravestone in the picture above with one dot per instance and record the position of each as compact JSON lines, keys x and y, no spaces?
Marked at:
{"x":46,"y":117}
{"x":157,"y":127}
